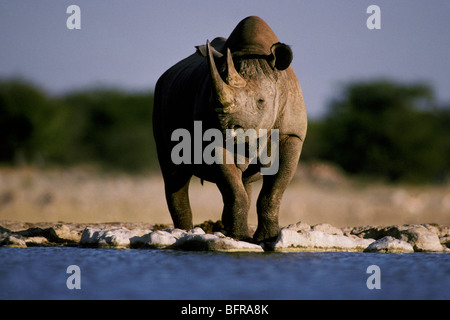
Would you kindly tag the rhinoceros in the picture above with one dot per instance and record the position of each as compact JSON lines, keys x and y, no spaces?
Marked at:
{"x":231,"y":85}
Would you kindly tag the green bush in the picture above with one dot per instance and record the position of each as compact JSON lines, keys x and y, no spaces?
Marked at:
{"x":108,"y":128}
{"x":32,"y":126}
{"x":387,"y":130}
{"x":114,"y":128}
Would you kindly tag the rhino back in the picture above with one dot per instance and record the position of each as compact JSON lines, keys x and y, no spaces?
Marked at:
{"x":178,"y":93}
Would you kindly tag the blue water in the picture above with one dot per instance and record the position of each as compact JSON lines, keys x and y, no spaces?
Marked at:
{"x":40,"y":273}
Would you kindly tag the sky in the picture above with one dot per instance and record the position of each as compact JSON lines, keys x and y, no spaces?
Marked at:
{"x":129,"y":44}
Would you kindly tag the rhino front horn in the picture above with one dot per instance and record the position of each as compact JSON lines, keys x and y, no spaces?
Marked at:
{"x":223,"y":91}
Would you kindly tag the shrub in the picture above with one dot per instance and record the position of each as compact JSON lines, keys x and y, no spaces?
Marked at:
{"x":386,"y":129}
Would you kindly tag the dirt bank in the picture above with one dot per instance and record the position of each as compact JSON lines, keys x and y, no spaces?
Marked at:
{"x":318,"y":194}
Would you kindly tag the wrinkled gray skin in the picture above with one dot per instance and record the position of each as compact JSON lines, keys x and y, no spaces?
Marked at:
{"x":245,"y":81}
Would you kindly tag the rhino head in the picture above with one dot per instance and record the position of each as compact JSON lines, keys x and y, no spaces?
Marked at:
{"x":246,"y":96}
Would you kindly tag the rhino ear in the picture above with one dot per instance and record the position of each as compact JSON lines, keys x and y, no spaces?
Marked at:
{"x":281,"y":56}
{"x":202,"y":51}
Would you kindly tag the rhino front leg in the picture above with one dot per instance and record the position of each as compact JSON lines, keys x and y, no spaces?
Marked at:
{"x":236,"y":202}
{"x":269,"y":199}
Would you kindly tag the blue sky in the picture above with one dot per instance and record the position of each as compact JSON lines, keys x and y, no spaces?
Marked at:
{"x":129,"y":44}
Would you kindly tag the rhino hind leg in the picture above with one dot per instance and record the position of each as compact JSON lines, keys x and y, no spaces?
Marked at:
{"x":177,"y":196}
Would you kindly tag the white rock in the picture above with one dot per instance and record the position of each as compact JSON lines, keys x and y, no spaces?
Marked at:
{"x":64,"y":232}
{"x":15,"y":242}
{"x":161,"y":238}
{"x":90,"y":236}
{"x":292,"y":240}
{"x":299,"y":226}
{"x":140,"y":232}
{"x":389,"y":244}
{"x":219,"y":234}
{"x":36,"y":241}
{"x":177,"y":233}
{"x":214,"y":242}
{"x":423,"y":239}
{"x":158,"y":239}
{"x":445,"y":241}
{"x":196,"y":230}
{"x":328,"y":228}
{"x":106,"y":238}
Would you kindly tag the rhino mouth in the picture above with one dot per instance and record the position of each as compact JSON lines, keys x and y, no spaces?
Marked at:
{"x":239,"y":135}
{"x":234,"y":130}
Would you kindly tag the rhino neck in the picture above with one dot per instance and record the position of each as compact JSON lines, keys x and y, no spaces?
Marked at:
{"x":252,"y":36}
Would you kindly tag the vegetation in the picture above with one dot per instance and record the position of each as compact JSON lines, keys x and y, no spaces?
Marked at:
{"x":386,"y":130}
{"x":108,"y":128}
{"x":380,"y":129}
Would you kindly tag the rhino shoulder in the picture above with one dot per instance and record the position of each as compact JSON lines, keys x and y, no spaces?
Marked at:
{"x":292,"y":117}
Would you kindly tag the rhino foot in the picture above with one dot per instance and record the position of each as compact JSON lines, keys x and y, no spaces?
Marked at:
{"x":265,"y":235}
{"x":241,"y":235}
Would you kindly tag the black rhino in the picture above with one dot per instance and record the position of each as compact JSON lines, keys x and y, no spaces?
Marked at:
{"x":232,"y":85}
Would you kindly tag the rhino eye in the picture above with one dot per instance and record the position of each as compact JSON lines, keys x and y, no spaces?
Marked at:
{"x":261,"y":101}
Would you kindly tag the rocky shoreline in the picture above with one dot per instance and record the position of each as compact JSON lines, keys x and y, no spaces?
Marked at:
{"x":206,"y":237}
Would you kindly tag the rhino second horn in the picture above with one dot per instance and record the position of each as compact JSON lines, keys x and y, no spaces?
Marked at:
{"x":234,"y":79}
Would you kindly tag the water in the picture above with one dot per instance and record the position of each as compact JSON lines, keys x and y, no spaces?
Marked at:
{"x":40,"y":273}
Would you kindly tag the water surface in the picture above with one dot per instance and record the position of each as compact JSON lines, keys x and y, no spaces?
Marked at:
{"x":40,"y":273}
